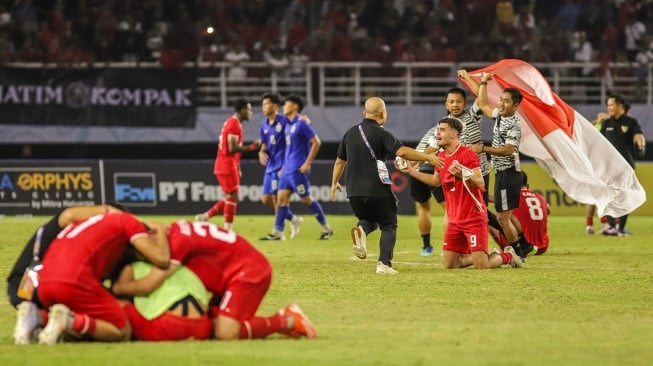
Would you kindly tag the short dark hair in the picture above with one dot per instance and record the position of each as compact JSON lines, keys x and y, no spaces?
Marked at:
{"x":275,"y":98}
{"x":240,"y":104}
{"x":457,"y":90}
{"x":454,"y":123}
{"x":294,"y":98}
{"x":619,"y":99}
{"x":515,"y":95}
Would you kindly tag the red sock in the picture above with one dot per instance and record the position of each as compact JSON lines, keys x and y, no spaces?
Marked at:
{"x":217,"y":209}
{"x":259,"y":327}
{"x":230,"y":209}
{"x":505,"y":258}
{"x":604,"y":220}
{"x":83,"y":324}
{"x":44,"y":317}
{"x":589,"y":221}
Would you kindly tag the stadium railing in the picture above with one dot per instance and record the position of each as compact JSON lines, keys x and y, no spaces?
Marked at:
{"x":349,"y":83}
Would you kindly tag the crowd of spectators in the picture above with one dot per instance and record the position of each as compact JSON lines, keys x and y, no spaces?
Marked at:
{"x":286,"y":32}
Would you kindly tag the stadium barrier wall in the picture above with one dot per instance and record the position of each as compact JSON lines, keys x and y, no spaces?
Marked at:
{"x":408,"y":123}
{"x":187,"y":187}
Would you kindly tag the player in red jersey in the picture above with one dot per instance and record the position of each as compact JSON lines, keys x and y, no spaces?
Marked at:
{"x":237,"y":274}
{"x":74,"y":266}
{"x":532,"y":213}
{"x":466,"y":236}
{"x":21,"y":282}
{"x":227,"y":163}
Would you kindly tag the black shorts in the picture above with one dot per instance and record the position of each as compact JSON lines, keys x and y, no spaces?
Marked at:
{"x":507,"y":189}
{"x":381,"y":211}
{"x":422,"y":192}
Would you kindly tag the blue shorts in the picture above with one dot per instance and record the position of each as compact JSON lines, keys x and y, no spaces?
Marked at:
{"x":270,"y":183}
{"x":296,"y":182}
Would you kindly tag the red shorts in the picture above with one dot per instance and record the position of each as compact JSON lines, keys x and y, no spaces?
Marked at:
{"x":168,"y":326}
{"x":230,"y":183}
{"x":89,"y":298}
{"x":466,"y":238}
{"x":241,"y":299}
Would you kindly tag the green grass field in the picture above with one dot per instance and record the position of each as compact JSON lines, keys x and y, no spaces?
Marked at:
{"x":587,"y":301}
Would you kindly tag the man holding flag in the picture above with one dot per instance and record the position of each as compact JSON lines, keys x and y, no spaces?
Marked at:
{"x":504,"y":152}
{"x":564,"y":143}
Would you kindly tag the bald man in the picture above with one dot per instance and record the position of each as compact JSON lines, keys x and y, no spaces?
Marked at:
{"x":363,"y":150}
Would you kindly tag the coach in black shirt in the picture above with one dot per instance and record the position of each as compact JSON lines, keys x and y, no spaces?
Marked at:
{"x":363,"y":150}
{"x":625,"y":134}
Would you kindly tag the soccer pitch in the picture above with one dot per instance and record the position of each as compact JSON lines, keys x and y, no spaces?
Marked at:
{"x":587,"y":301}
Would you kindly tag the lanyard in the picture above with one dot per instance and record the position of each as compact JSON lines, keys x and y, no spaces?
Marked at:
{"x":367,"y":143}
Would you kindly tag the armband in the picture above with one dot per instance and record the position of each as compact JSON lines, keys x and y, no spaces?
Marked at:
{"x":483,"y":83}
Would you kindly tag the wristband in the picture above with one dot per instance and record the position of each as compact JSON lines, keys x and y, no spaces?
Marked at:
{"x":251,"y":147}
{"x":483,"y":82}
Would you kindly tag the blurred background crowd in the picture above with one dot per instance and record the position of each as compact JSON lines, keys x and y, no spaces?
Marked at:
{"x":286,"y":31}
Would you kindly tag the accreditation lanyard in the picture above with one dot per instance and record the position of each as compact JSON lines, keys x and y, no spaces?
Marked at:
{"x":30,"y":279}
{"x":384,"y":176}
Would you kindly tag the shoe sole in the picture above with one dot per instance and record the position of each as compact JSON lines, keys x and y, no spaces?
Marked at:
{"x":360,"y":248}
{"x":22,"y":336}
{"x":516,"y":261}
{"x":294,"y":228}
{"x":311,"y":333}
{"x":50,"y":334}
{"x":385,"y":269}
{"x":273,"y":238}
{"x":386,"y":272}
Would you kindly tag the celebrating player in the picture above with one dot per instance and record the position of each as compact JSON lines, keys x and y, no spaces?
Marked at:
{"x":465,"y":240}
{"x":237,"y":274}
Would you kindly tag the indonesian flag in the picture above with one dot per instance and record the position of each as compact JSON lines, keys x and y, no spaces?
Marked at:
{"x":565,"y":144}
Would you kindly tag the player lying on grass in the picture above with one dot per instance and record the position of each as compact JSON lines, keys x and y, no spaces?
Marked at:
{"x":78,"y":260}
{"x":23,"y":277}
{"x":235,"y":273}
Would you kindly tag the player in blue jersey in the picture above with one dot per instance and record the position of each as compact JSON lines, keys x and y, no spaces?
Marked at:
{"x":271,"y":155}
{"x":302,"y":145}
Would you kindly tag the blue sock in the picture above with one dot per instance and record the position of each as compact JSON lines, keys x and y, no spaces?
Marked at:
{"x":289,"y":215}
{"x":316,"y":209}
{"x":282,"y":212}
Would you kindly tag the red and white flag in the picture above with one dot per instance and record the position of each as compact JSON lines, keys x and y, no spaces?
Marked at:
{"x":564,"y":143}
